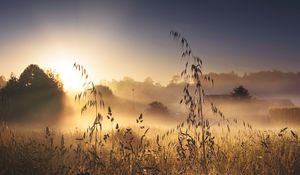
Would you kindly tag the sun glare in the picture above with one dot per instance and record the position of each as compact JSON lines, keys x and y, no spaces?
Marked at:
{"x":63,"y":66}
{"x":70,"y":80}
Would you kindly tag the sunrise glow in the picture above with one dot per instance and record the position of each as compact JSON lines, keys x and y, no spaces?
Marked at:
{"x":63,"y":65}
{"x":149,"y":87}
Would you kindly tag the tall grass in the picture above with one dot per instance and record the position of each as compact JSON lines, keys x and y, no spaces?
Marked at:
{"x":141,"y":151}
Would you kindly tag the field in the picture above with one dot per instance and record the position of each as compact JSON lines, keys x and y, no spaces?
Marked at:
{"x":73,"y":114}
{"x":142,"y":150}
{"x":196,"y":145}
{"x":285,"y":115}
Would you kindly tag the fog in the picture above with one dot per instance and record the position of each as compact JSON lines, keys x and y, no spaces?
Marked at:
{"x":129,"y":98}
{"x":269,"y":89}
{"x":264,"y":84}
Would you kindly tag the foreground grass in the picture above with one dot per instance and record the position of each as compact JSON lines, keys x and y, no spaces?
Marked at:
{"x":142,"y":151}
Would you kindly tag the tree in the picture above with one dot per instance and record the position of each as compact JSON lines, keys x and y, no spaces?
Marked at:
{"x":241,"y":92}
{"x":33,"y":91}
{"x":157,"y":108}
{"x":34,"y":77}
{"x":11,"y":85}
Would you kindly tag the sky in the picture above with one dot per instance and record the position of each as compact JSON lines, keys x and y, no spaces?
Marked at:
{"x":113,"y":39}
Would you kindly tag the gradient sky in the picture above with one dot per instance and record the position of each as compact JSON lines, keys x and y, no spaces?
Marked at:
{"x":131,"y":38}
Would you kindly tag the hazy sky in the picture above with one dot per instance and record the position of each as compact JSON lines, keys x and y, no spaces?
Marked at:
{"x":131,"y":38}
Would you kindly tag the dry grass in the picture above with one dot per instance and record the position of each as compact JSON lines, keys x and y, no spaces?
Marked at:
{"x":142,"y":151}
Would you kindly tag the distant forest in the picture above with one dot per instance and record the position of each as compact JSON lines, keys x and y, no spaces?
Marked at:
{"x":261,"y":83}
{"x":264,"y":83}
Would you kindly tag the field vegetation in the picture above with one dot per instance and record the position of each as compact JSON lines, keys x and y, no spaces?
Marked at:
{"x":197,"y":145}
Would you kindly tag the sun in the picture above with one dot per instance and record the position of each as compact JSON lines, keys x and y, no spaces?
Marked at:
{"x":70,"y":78}
{"x":61,"y":61}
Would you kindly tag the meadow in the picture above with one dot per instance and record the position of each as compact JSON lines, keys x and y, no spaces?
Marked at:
{"x":197,"y":145}
{"x":141,"y":150}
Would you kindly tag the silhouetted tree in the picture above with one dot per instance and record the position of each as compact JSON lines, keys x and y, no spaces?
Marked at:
{"x":11,"y":85}
{"x":34,"y":89}
{"x":158,"y":108}
{"x":35,"y":78}
{"x":241,"y":92}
